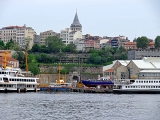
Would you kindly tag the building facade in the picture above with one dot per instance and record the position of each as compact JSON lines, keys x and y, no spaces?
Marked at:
{"x":18,"y":34}
{"x":44,"y":35}
{"x":139,"y":54}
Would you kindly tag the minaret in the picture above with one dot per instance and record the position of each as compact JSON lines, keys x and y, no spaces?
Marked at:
{"x":76,"y":26}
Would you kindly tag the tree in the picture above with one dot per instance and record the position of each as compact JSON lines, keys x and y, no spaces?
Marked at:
{"x":36,"y":48}
{"x":2,"y":46}
{"x":157,"y":42}
{"x":34,"y":68}
{"x":142,"y":42}
{"x":71,"y":48}
{"x":20,"y":57}
{"x":54,"y":44}
{"x":9,"y":45}
{"x":27,"y":43}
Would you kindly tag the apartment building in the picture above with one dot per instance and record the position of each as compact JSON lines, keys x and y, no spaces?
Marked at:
{"x":68,"y":36}
{"x":44,"y":35}
{"x":18,"y":34}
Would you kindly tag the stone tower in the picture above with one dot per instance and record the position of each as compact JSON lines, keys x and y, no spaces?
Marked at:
{"x":76,"y":26}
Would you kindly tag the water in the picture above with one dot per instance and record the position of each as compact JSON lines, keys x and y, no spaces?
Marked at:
{"x":79,"y":106}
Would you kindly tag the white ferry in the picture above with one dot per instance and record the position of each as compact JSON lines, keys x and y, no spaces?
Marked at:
{"x":137,"y":86}
{"x":11,"y":80}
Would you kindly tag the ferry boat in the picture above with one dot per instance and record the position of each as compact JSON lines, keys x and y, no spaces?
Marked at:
{"x":11,"y":80}
{"x":137,"y":86}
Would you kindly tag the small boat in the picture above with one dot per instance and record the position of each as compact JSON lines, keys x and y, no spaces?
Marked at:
{"x":59,"y":86}
{"x":137,"y":86}
{"x":99,"y":82}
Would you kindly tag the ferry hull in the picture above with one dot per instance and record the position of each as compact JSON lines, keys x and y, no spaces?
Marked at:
{"x":118,"y":91}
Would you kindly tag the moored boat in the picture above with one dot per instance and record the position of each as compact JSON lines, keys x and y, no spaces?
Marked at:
{"x":12,"y":80}
{"x":138,"y":86}
{"x":102,"y":85}
{"x":99,"y":82}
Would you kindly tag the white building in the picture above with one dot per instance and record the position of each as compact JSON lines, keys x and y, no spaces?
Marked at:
{"x":69,"y":35}
{"x":18,"y":34}
{"x":79,"y":45}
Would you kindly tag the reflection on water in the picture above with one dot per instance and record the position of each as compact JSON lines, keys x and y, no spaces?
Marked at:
{"x":79,"y":106}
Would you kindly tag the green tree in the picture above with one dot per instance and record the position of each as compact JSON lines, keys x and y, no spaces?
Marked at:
{"x":2,"y":46}
{"x":70,"y":48}
{"x":54,"y":44}
{"x":20,"y":57}
{"x":34,"y":68}
{"x":9,"y":45}
{"x":36,"y":48}
{"x":27,"y":43}
{"x":142,"y":42}
{"x":157,"y":42}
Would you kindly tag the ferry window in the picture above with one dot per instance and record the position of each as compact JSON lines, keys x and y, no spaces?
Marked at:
{"x":24,"y":80}
{"x":156,"y":81}
{"x":17,"y":79}
{"x":33,"y":85}
{"x":128,"y":86}
{"x":2,"y":72}
{"x":159,"y":81}
{"x":1,"y":85}
{"x":146,"y":81}
{"x":139,"y":81}
{"x":136,"y":81}
{"x":133,"y":86}
{"x":151,"y":81}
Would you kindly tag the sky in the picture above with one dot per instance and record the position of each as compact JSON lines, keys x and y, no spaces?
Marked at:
{"x":130,"y":18}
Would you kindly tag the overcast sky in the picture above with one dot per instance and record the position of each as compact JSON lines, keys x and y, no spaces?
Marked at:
{"x":131,"y":18}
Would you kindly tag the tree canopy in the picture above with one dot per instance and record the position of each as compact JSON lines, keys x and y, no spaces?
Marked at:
{"x":157,"y":42}
{"x":142,"y":42}
{"x":54,"y":44}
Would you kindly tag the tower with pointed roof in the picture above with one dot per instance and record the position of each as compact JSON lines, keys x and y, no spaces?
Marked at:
{"x":76,"y":26}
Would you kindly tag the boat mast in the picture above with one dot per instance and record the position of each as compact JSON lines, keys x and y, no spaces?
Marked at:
{"x":5,"y":60}
{"x":58,"y":81}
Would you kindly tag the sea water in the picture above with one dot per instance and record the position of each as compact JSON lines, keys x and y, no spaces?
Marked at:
{"x":79,"y":106}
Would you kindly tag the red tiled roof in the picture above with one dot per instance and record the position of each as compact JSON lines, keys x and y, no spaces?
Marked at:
{"x":130,"y":43}
{"x":151,"y":43}
{"x":110,"y":70}
{"x":8,"y":59}
{"x":11,"y":27}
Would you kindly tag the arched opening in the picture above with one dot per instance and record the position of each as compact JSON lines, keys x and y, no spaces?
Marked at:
{"x":75,"y":78}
